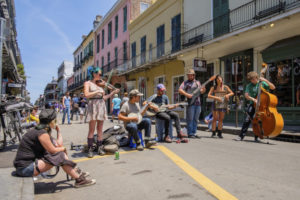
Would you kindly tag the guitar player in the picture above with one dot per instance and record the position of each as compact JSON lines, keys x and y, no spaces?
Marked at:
{"x":161,"y":99}
{"x":193,"y":110}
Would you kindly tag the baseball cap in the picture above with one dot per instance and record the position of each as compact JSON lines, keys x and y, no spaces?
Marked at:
{"x":161,"y":87}
{"x":135,"y":92}
{"x":47,"y":115}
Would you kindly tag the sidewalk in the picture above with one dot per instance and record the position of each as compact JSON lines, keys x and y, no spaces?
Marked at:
{"x":288,"y":134}
{"x":16,"y":188}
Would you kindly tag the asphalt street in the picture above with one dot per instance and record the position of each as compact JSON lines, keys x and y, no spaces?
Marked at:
{"x":206,"y":168}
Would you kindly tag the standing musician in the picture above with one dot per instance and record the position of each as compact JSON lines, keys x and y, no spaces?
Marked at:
{"x":96,"y":110}
{"x":251,"y":94}
{"x":221,"y":94}
{"x":130,"y":123}
{"x":161,"y":99}
{"x":193,"y":111}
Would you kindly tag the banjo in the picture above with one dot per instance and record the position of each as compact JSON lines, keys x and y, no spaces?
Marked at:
{"x":139,"y":114}
{"x":162,"y":108}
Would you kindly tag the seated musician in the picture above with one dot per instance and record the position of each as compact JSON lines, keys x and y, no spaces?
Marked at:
{"x":161,"y":99}
{"x":251,"y":94}
{"x":130,"y":123}
{"x":217,"y":92}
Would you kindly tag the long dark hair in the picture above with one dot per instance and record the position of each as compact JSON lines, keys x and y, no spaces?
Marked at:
{"x":216,"y":81}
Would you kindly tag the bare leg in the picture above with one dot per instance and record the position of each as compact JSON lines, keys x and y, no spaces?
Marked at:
{"x":221,"y":118}
{"x":92,"y":125}
{"x":99,"y":130}
{"x":215,"y":118}
{"x":71,"y":171}
{"x":43,"y":167}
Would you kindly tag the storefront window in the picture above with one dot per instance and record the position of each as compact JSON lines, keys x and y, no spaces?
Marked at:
{"x":176,"y":83}
{"x":281,"y":76}
{"x":297,"y":80}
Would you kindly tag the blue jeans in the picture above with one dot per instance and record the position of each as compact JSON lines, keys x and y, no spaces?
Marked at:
{"x":66,"y":110}
{"x":26,"y":171}
{"x":192,"y":116}
{"x":133,"y":128}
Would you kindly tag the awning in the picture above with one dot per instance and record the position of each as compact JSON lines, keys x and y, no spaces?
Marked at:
{"x":282,"y":49}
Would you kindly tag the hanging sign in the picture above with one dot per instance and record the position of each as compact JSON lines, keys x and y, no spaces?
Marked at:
{"x":199,"y":65}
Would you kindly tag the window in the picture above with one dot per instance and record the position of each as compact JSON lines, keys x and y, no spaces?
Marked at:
{"x":143,"y":50}
{"x":286,"y":78}
{"x":133,"y":54}
{"x":102,"y":61}
{"x":158,"y":80}
{"x":125,"y":19}
{"x":143,"y":7}
{"x":176,"y":83}
{"x":109,"y":33}
{"x":176,"y":29}
{"x":160,"y":39}
{"x":97,"y":63}
{"x":124,"y":52}
{"x":83,"y":75}
{"x":116,"y":26}
{"x":102,"y":39}
{"x":108,"y":61}
{"x":80,"y":77}
{"x":81,"y":57}
{"x":150,"y":52}
{"x":98,"y":43}
{"x":116,"y":56}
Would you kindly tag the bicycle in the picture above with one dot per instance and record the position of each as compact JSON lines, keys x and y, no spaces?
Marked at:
{"x":11,"y":124}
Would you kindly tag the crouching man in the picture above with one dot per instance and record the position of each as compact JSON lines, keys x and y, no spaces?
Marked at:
{"x":132,"y":124}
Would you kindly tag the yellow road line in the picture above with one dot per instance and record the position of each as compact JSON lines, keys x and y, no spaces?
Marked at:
{"x":205,"y":182}
{"x":105,"y":156}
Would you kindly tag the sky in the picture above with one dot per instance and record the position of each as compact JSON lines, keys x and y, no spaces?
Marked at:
{"x":49,"y":31}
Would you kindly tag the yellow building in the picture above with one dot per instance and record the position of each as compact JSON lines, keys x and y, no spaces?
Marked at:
{"x":154,"y":35}
{"x":83,"y":58}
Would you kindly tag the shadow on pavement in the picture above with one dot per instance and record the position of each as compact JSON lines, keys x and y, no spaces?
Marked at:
{"x":11,"y":148}
{"x":51,"y":187}
{"x":257,"y":142}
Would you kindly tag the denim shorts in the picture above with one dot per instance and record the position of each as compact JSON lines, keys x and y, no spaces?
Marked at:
{"x":116,"y":112}
{"x":26,"y":171}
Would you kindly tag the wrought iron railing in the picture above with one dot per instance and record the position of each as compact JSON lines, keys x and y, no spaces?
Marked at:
{"x":240,"y":17}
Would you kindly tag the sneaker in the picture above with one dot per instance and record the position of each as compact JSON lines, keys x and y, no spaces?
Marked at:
{"x":168,"y":139}
{"x":83,"y":181}
{"x":101,"y":151}
{"x":182,"y":135}
{"x":240,"y":138}
{"x":150,"y":143}
{"x":139,"y":147}
{"x":192,"y":136}
{"x":90,"y":152}
{"x":80,"y":172}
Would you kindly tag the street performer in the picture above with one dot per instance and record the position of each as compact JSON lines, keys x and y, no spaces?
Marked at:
{"x":161,"y":99}
{"x":130,"y":123}
{"x":251,"y":94}
{"x":193,"y":110}
{"x":221,"y":94}
{"x":96,"y":110}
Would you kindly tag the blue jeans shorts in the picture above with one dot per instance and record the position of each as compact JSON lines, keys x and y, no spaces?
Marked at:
{"x":116,"y":112}
{"x":26,"y":171}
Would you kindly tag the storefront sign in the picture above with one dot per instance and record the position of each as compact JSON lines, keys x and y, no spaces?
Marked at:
{"x":199,"y":65}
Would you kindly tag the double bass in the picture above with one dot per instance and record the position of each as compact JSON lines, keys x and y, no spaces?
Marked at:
{"x":267,"y":122}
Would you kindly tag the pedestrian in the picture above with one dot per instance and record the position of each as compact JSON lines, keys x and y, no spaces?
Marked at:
{"x":82,"y":106}
{"x":221,"y":94}
{"x":193,"y":110}
{"x":96,"y":110}
{"x":125,"y":98}
{"x":115,"y":107}
{"x":75,"y":107}
{"x":66,"y":103}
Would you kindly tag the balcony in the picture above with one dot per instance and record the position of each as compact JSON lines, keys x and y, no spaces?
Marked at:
{"x":246,"y":15}
{"x":77,"y":85}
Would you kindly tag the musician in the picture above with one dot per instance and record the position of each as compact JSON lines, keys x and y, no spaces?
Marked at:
{"x":96,"y":110}
{"x":251,"y":94}
{"x":219,"y":107}
{"x":130,"y":123}
{"x":193,"y":111}
{"x":161,"y":99}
